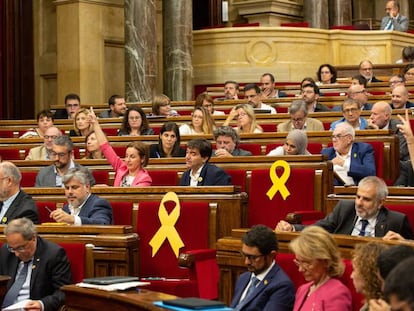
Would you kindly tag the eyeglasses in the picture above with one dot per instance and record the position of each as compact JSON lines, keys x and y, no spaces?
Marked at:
{"x":72,"y":105}
{"x":242,"y":114}
{"x":60,"y":154}
{"x":303,"y":264}
{"x":49,"y":136}
{"x":395,"y":82}
{"x":134,"y":118}
{"x":350,"y":110}
{"x":251,"y":257}
{"x":409,"y":73}
{"x":297,"y":119}
{"x":18,"y":249}
{"x":337,"y":136}
{"x":366,"y":69}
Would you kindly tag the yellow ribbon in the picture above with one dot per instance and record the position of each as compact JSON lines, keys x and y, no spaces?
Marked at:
{"x":279,"y":182}
{"x":167,"y":229}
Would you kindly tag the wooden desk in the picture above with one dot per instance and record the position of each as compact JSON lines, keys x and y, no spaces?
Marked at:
{"x":3,"y":287}
{"x":87,"y":299}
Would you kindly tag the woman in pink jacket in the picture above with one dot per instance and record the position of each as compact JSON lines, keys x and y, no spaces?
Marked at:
{"x":129,"y":172}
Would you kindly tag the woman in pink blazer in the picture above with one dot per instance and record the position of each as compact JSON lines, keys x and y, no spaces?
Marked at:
{"x":318,"y":258}
{"x":129,"y":172}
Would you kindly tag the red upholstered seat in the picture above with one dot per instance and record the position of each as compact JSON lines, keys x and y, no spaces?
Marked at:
{"x":120,"y":150}
{"x":295,"y":24}
{"x":8,"y":134}
{"x":101,"y":177}
{"x":28,"y":179}
{"x":110,"y":131}
{"x":11,"y":154}
{"x":194,"y":229}
{"x":378,"y":147}
{"x":263,"y":210}
{"x":43,"y":209}
{"x":123,"y":213}
{"x":405,"y":209}
{"x":344,"y":27}
{"x":269,"y":127}
{"x":76,"y":253}
{"x":238,"y":178}
{"x":254,"y":148}
{"x":164,"y":178}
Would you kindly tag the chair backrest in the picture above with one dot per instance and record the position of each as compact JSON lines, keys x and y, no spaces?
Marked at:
{"x":192,"y":225}
{"x":11,"y":154}
{"x":254,"y":148}
{"x":123,"y":213}
{"x":238,"y":178}
{"x":43,"y":210}
{"x":76,"y":253}
{"x":101,"y":177}
{"x":28,"y":179}
{"x":164,"y":178}
{"x":408,"y":210}
{"x":120,"y":151}
{"x":262,"y":210}
{"x":110,"y":131}
{"x":378,"y":147}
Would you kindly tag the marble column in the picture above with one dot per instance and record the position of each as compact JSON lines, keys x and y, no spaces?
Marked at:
{"x":140,"y":50}
{"x":316,"y":13}
{"x":178,"y":49}
{"x":340,"y":12}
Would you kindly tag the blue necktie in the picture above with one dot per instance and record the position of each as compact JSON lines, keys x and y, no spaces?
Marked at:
{"x":14,"y":290}
{"x":364,"y":224}
{"x":389,"y":25}
{"x":252,"y":286}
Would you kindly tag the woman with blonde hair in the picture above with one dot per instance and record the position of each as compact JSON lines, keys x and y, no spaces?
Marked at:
{"x":246,"y":119}
{"x":319,"y":260}
{"x":161,"y":106}
{"x":201,"y":123}
{"x":81,"y":123}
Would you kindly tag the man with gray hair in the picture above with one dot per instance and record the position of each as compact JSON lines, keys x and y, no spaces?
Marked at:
{"x":14,"y":202}
{"x":62,"y":157}
{"x":38,"y":268}
{"x":299,"y":119}
{"x":83,"y":208}
{"x":43,"y":152}
{"x":227,"y":143}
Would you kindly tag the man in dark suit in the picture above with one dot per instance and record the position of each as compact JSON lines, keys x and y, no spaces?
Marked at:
{"x":265,"y":286}
{"x":14,"y":202}
{"x":366,"y":216}
{"x":49,"y":266}
{"x":62,"y":157}
{"x":366,"y":69}
{"x":200,"y":172}
{"x":72,"y":105}
{"x":83,"y":207}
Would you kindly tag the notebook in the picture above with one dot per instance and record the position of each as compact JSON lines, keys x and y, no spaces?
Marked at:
{"x":108,"y":280}
{"x":194,"y":303}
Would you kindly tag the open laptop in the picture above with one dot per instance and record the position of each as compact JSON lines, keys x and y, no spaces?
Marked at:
{"x":108,"y":280}
{"x":194,"y":303}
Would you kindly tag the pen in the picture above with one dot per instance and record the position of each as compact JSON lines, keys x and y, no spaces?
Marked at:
{"x":49,"y":210}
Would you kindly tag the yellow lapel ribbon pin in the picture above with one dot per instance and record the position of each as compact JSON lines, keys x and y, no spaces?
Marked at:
{"x":279,"y":182}
{"x":4,"y":220}
{"x":167,"y":230}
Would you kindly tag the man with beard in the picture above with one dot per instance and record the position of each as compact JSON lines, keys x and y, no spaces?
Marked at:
{"x":365,"y":216}
{"x":253,"y":95}
{"x":117,"y":107}
{"x":62,"y":157}
{"x":265,"y":286}
{"x":231,"y":91}
{"x":83,"y":208}
{"x":310,"y":94}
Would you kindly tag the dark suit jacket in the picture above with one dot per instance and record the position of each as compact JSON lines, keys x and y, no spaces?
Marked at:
{"x":210,"y":175}
{"x":277,"y":295}
{"x":406,"y":177}
{"x":61,"y":114}
{"x":95,"y":211}
{"x":374,"y":79}
{"x":237,"y":152}
{"x":343,"y":217}
{"x":155,"y":152}
{"x":362,"y":161}
{"x":404,"y":155}
{"x":46,"y":176}
{"x":22,"y":206}
{"x":50,"y":271}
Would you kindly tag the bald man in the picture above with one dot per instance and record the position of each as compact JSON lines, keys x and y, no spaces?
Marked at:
{"x":399,"y":98}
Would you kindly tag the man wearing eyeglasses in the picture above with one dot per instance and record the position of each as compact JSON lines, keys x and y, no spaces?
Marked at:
{"x":359,"y":93}
{"x":394,"y":20}
{"x":117,"y":107}
{"x":72,"y":105}
{"x":253,"y":95}
{"x":62,"y":157}
{"x":351,"y":110}
{"x":14,"y":202}
{"x":299,"y":119}
{"x":38,"y":268}
{"x":265,"y":286}
{"x":43,"y":152}
{"x":366,"y":69}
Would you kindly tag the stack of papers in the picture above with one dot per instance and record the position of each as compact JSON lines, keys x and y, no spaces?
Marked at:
{"x":114,"y":287}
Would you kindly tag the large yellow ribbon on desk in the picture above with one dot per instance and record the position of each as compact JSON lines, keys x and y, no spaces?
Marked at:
{"x":279,"y":182}
{"x":167,"y":230}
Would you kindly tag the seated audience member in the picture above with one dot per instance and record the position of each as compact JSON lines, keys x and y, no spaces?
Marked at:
{"x":206,"y":101}
{"x":299,"y":119}
{"x":310,"y":94}
{"x":359,"y":80}
{"x":62,"y":157}
{"x":169,"y":143}
{"x":366,"y":70}
{"x":199,"y":172}
{"x":253,"y":95}
{"x":307,"y":80}
{"x":365,"y":273}
{"x":380,"y":119}
{"x":326,"y":74}
{"x":131,"y":171}
{"x":44,"y":121}
{"x":231,"y":91}
{"x":319,"y":259}
{"x":201,"y":123}
{"x":246,"y":119}
{"x":227,"y":143}
{"x":92,"y":147}
{"x":265,"y":286}
{"x":117,"y":107}
{"x":407,"y":55}
{"x":365,"y":216}
{"x":72,"y":104}
{"x":48,"y":263}
{"x":396,"y":80}
{"x":359,"y":94}
{"x":406,"y":177}
{"x":135,"y":123}
{"x":43,"y":152}
{"x":15,"y":203}
{"x":398,"y":286}
{"x":268,"y":87}
{"x":161,"y":106}
{"x":296,"y":144}
{"x":81,"y":123}
{"x":394,"y":20}
{"x":351,"y":110}
{"x":399,"y":98}
{"x":83,"y":208}
{"x":409,"y":72}
{"x":352,"y":160}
